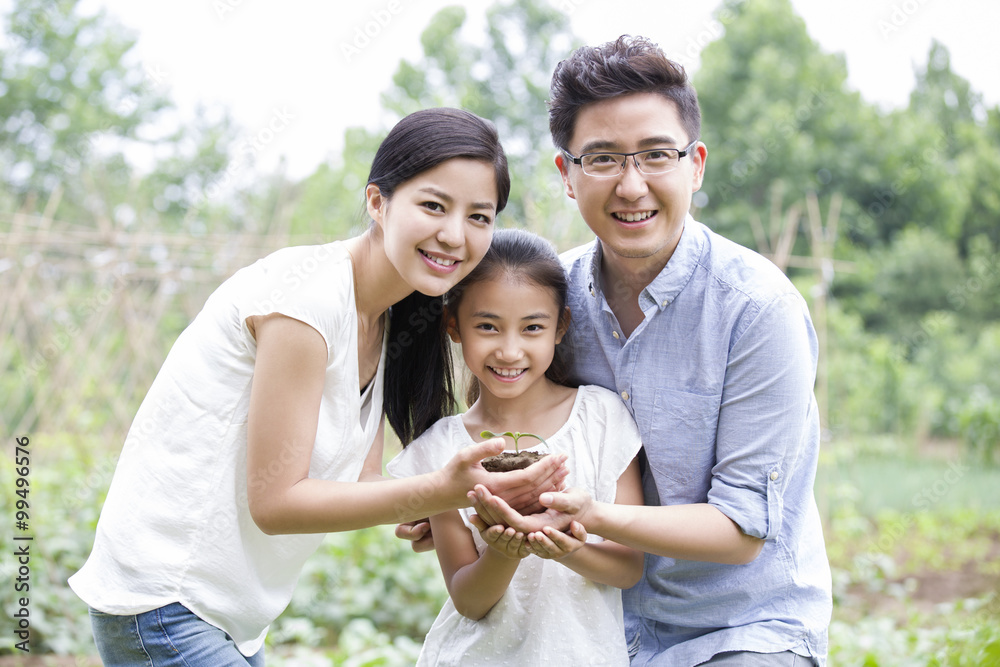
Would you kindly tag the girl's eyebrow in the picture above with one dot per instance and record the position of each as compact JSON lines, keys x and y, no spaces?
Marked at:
{"x":485,"y":314}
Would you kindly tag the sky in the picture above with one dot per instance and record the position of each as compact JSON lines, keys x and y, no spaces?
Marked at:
{"x":294,"y":74}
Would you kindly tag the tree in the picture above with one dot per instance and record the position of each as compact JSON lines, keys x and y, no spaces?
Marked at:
{"x":503,"y":76}
{"x":76,"y":100}
{"x":774,"y":108}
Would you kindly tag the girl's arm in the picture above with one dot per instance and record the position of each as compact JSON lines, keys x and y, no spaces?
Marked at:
{"x":604,"y":562}
{"x":475,"y":583}
{"x":289,"y":374}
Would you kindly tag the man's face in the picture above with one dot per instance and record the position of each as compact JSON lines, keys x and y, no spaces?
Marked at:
{"x":636,"y":216}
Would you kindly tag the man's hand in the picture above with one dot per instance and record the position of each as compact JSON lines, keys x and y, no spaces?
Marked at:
{"x":418,"y":533}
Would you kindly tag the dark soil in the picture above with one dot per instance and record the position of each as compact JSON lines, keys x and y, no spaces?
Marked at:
{"x":508,"y":461}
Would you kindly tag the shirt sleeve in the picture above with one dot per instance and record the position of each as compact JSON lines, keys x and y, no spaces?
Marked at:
{"x":308,"y":283}
{"x":766,"y":417}
{"x":619,"y":442}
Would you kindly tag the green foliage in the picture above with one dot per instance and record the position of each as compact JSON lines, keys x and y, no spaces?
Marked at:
{"x":505,"y":80}
{"x":979,"y":425}
{"x":67,"y":487}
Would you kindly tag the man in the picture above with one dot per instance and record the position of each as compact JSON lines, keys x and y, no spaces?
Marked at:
{"x":713,"y":351}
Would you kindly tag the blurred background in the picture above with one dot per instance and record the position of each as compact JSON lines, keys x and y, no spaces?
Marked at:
{"x":147,"y":152}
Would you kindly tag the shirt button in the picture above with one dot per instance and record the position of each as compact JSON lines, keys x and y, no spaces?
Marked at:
{"x":615,"y":334}
{"x":625,"y":395}
{"x":666,"y":302}
{"x":774,"y":475}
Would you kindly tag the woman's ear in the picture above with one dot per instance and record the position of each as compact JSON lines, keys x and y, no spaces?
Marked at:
{"x":375,"y":203}
{"x":563,"y":325}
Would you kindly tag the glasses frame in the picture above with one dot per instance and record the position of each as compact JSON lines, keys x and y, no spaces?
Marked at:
{"x":579,"y":160}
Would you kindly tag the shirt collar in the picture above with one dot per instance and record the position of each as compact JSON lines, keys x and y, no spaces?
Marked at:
{"x":672,"y":279}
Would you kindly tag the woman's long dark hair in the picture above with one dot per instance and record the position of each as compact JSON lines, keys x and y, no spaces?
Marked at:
{"x":419,"y":382}
{"x":520,"y":256}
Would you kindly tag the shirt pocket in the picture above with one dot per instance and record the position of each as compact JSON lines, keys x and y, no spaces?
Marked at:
{"x":681,"y":447}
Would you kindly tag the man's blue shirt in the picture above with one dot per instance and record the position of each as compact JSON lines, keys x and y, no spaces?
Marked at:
{"x":719,"y":377}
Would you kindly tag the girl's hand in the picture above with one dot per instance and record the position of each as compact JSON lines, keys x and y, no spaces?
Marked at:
{"x":506,"y":541}
{"x":492,"y":510}
{"x":551,"y":543}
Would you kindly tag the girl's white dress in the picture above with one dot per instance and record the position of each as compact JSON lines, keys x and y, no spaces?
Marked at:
{"x":549,"y":614}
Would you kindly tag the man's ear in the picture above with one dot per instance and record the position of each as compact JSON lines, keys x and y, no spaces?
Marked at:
{"x":451,"y":326}
{"x":563,"y":167}
{"x":698,"y":157}
{"x":375,"y":202}
{"x":563,"y":325}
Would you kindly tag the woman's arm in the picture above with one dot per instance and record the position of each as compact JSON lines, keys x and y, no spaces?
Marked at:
{"x":604,"y":562}
{"x":475,"y":583}
{"x":289,"y":373}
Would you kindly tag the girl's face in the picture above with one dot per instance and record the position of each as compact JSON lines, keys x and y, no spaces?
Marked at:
{"x":508,"y":330}
{"x":438,"y":225}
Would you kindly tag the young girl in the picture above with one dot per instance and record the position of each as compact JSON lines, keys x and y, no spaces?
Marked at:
{"x":548,"y":597}
{"x":266,"y":416}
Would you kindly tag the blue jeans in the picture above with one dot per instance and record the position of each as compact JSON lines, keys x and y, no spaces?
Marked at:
{"x":166,"y":637}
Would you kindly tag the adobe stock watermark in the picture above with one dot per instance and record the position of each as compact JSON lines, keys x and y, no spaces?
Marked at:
{"x":886,"y":197}
{"x":569,"y":6}
{"x":899,"y":16}
{"x":711,"y":30}
{"x":153,"y":77}
{"x":248,"y":149}
{"x":985,"y":271}
{"x":58,"y":341}
{"x":785,"y":127}
{"x":924,"y":499}
{"x":224,"y":7}
{"x":378,"y":21}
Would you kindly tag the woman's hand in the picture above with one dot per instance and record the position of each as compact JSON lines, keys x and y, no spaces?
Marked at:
{"x":520,"y":488}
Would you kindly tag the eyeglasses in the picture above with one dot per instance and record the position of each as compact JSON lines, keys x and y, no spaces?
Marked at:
{"x":650,"y":162}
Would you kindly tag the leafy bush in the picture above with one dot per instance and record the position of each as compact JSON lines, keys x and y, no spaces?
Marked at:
{"x":979,"y":425}
{"x":363,"y":599}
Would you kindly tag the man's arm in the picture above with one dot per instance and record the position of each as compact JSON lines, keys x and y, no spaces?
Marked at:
{"x":689,"y":532}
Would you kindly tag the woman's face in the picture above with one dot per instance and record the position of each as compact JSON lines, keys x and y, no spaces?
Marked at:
{"x":438,"y":225}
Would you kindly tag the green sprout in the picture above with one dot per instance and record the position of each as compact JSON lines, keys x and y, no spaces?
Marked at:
{"x":516,"y":435}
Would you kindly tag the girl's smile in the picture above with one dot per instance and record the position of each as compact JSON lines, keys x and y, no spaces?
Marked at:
{"x":508,"y":329}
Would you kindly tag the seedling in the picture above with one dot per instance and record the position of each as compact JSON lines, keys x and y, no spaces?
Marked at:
{"x":516,"y":435}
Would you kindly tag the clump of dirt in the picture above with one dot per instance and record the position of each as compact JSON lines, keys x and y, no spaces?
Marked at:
{"x":508,"y":461}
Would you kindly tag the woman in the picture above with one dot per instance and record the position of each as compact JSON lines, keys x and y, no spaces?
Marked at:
{"x":265,"y":423}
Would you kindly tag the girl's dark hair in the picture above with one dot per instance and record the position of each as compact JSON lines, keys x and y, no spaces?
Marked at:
{"x":625,"y":66}
{"x":418,"y":387}
{"x":520,"y":256}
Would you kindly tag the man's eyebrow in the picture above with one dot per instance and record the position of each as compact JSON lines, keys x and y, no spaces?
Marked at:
{"x":448,"y":199}
{"x":600,"y":145}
